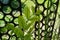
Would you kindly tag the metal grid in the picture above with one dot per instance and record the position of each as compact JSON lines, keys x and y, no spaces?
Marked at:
{"x":48,"y":19}
{"x":10,"y":16}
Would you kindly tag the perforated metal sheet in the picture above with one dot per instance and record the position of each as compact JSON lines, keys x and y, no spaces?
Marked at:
{"x":9,"y":12}
{"x":48,"y":19}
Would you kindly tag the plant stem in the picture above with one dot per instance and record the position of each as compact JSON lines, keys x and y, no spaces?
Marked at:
{"x":38,"y":30}
{"x":23,"y":34}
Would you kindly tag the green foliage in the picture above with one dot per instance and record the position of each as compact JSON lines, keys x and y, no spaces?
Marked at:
{"x":26,"y":12}
{"x":22,"y":22}
{"x":17,"y":31}
{"x":10,"y":26}
{"x":27,"y":20}
{"x":29,"y":3}
{"x":27,"y":37}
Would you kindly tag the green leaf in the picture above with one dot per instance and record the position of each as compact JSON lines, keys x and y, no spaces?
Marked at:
{"x":33,"y":9}
{"x":26,"y":12}
{"x":33,"y":18}
{"x":18,"y":32}
{"x":3,"y":30}
{"x":29,"y":24}
{"x":29,"y":3}
{"x":31,"y":29}
{"x":38,"y":12}
{"x":31,"y":21}
{"x":22,"y":22}
{"x":27,"y":37}
{"x":10,"y":26}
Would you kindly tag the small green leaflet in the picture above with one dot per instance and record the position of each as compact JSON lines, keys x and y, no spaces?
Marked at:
{"x":10,"y":26}
{"x":22,"y":22}
{"x":38,"y":12}
{"x":27,"y":37}
{"x":29,"y":3}
{"x":33,"y":9}
{"x":26,"y":12}
{"x":17,"y":31}
{"x":3,"y":30}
